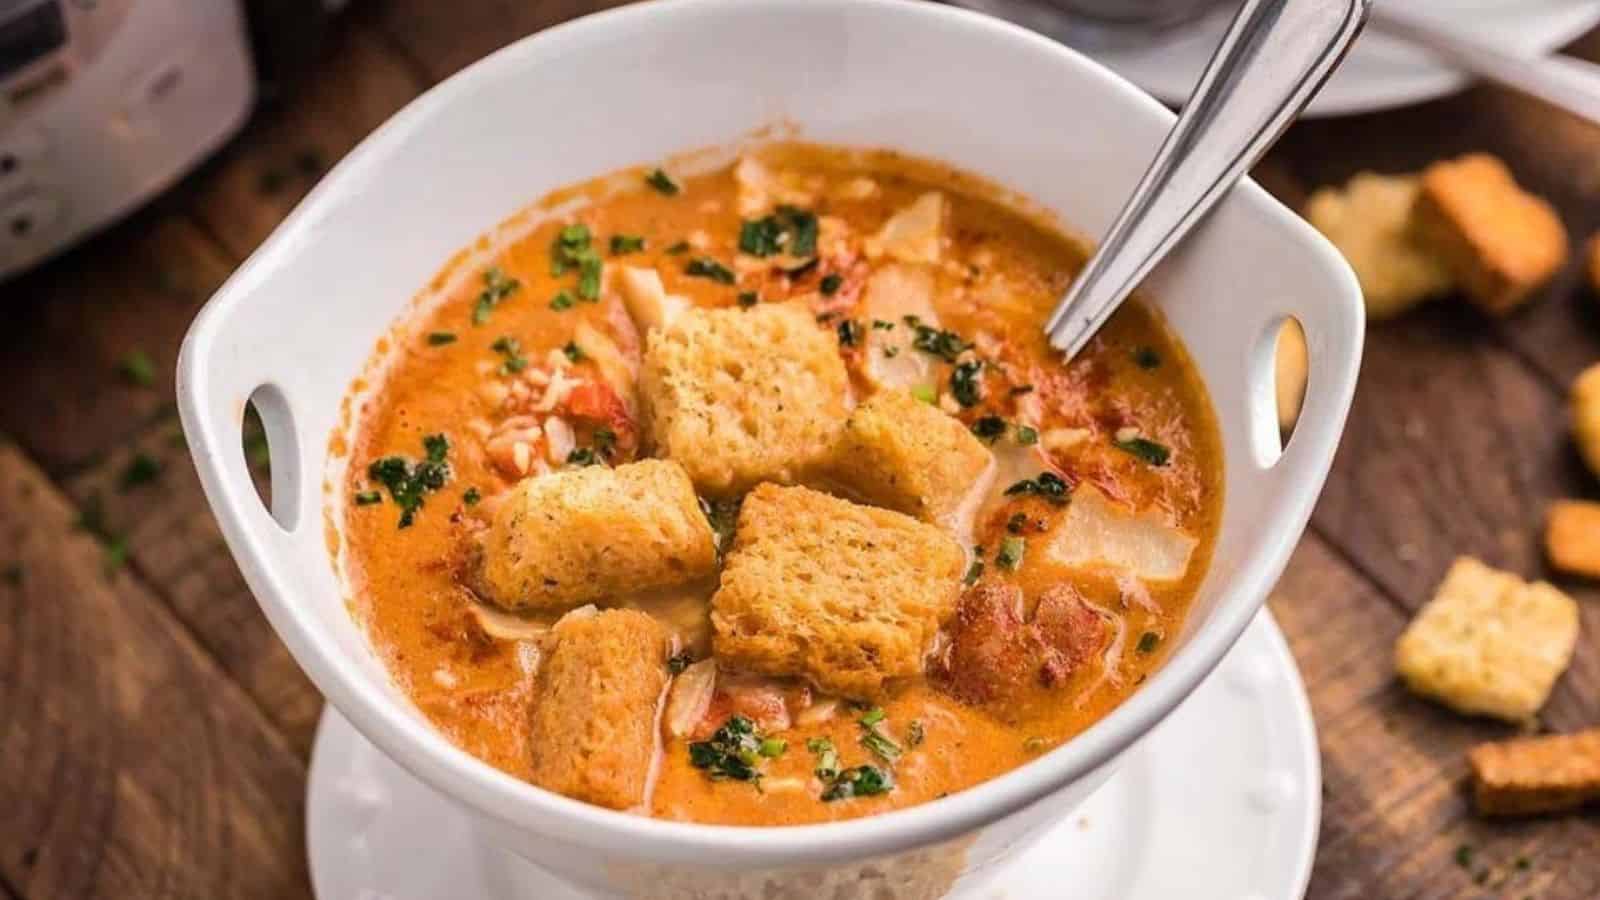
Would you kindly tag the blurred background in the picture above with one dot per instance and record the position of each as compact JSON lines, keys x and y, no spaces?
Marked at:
{"x":154,"y":733}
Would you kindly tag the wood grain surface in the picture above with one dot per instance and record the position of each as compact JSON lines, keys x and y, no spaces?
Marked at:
{"x":155,"y":733}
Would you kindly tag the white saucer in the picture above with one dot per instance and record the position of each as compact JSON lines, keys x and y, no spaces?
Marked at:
{"x":1379,"y":74}
{"x":1223,"y":801}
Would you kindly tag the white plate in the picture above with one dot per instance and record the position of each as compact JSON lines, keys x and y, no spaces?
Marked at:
{"x":1246,"y":831}
{"x":1379,"y":74}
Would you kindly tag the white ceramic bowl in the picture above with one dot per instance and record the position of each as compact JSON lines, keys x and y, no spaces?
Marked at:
{"x":297,"y":322}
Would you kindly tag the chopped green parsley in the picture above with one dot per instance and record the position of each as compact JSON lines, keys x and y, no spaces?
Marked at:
{"x":925,"y":393}
{"x":1149,"y":641}
{"x":662,"y":182}
{"x":440,"y":338}
{"x":827,"y":767}
{"x":1147,"y":358}
{"x":573,"y":352}
{"x":830,"y":284}
{"x":861,"y":781}
{"x":1027,"y":435}
{"x":471,"y":496}
{"x":679,"y":247}
{"x":679,"y":662}
{"x":706,"y":267}
{"x":573,"y":249}
{"x":731,"y":754}
{"x":1017,"y":522}
{"x":989,"y":428}
{"x":1151,"y":452}
{"x":583,"y":456}
{"x":881,"y":325}
{"x":497,"y":286}
{"x":873,"y":716}
{"x":748,"y":299}
{"x":966,"y":383}
{"x":789,"y":230}
{"x":947,"y":345}
{"x":510,"y":348}
{"x":369,"y":498}
{"x":626,"y":243}
{"x":772,"y":748}
{"x":974,"y":572}
{"x":1010,"y":554}
{"x":410,"y":483}
{"x":562,"y":301}
{"x":1048,"y":485}
{"x":850,"y":333}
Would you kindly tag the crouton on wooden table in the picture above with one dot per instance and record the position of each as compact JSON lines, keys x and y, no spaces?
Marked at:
{"x":1530,"y":776}
{"x":1585,"y":405}
{"x":586,"y":535}
{"x":909,"y":456}
{"x":846,"y":596}
{"x":1499,"y":242}
{"x":593,"y":729}
{"x":1489,"y":643}
{"x":1572,"y":537}
{"x":744,"y":396}
{"x":1592,"y":260}
{"x":1369,"y":220}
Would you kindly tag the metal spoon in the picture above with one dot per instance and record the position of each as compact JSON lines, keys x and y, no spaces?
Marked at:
{"x":1571,"y":84}
{"x":1274,"y":58}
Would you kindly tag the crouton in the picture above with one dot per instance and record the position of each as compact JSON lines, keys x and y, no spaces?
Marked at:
{"x":1369,"y":220}
{"x":1530,"y":776}
{"x":1572,"y":537}
{"x":1586,"y":416}
{"x":1488,"y":643}
{"x":1593,"y":266}
{"x":903,"y":454}
{"x":846,"y":596}
{"x":592,"y":733}
{"x":744,"y":396}
{"x":1499,"y":242}
{"x":586,"y":535}
{"x":914,"y":234}
{"x":1292,"y":372}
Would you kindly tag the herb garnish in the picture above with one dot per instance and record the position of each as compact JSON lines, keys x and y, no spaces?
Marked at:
{"x":925,"y":393}
{"x":830,"y":284}
{"x":748,"y":299}
{"x":369,"y":498}
{"x":861,"y":781}
{"x":966,"y":383}
{"x":974,"y":572}
{"x":142,"y":469}
{"x":471,"y":496}
{"x":876,"y":741}
{"x":873,"y":716}
{"x":789,"y":230}
{"x":849,"y":333}
{"x":827,"y":758}
{"x":626,"y":243}
{"x":679,"y":662}
{"x":772,"y":748}
{"x":1027,"y":435}
{"x":1048,"y":485}
{"x":573,"y":352}
{"x":511,"y":349}
{"x":1147,"y":358}
{"x":731,"y":753}
{"x":679,"y":247}
{"x":561,"y":301}
{"x":881,"y":325}
{"x":1017,"y":522}
{"x":1010,"y":555}
{"x":947,"y":345}
{"x":409,"y":484}
{"x":583,"y":456}
{"x":572,"y":250}
{"x":605,"y":441}
{"x":1148,"y":642}
{"x":662,"y":182}
{"x":137,"y":369}
{"x":989,"y":428}
{"x":706,"y":267}
{"x":1151,"y":452}
{"x":496,"y":288}
{"x":440,"y":338}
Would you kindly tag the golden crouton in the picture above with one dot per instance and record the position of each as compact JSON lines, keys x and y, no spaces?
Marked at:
{"x":1594,"y":264}
{"x":1499,"y":242}
{"x":586,"y":535}
{"x":593,"y":730}
{"x":909,"y":456}
{"x":846,"y":596}
{"x":1489,"y":643}
{"x":1586,"y":416}
{"x":744,"y":396}
{"x":1572,"y":537}
{"x":1369,"y":220}
{"x":1293,"y":369}
{"x":1536,"y":775}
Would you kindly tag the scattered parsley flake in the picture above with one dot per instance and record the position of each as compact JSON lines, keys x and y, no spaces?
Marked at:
{"x":989,"y":428}
{"x":1464,"y":855}
{"x":497,"y":286}
{"x":626,"y":243}
{"x":440,"y":338}
{"x":471,"y":496}
{"x":849,"y":333}
{"x":1151,"y":452}
{"x":573,"y":352}
{"x":789,"y":230}
{"x":137,"y":369}
{"x":772,"y":748}
{"x":562,"y":301}
{"x":748,"y":299}
{"x":947,"y":345}
{"x":1027,"y":435}
{"x":1017,"y":522}
{"x":369,"y":498}
{"x":1148,"y":642}
{"x":1147,"y":358}
{"x":966,"y":383}
{"x":706,"y":267}
{"x":583,"y":456}
{"x":881,"y":325}
{"x":873,"y":716}
{"x":142,"y":469}
{"x":731,"y":754}
{"x":974,"y":572}
{"x":1010,"y":555}
{"x":861,"y":781}
{"x":830,"y":284}
{"x":827,"y":767}
{"x":661,"y":181}
{"x":409,"y":483}
{"x":679,"y":247}
{"x":1048,"y":485}
{"x":925,"y":393}
{"x":679,"y":662}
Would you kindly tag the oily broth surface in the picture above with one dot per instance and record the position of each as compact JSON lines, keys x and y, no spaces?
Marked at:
{"x":477,"y":689}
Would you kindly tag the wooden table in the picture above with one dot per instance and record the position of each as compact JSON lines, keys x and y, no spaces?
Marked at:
{"x":154,"y":733}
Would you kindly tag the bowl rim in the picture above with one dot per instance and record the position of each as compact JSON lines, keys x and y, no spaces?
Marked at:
{"x":516,"y":803}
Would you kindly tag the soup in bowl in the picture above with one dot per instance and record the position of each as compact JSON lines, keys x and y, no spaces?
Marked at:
{"x":778,"y":572}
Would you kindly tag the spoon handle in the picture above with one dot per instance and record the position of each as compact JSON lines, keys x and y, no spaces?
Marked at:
{"x":1275,"y":56}
{"x":1571,"y":84}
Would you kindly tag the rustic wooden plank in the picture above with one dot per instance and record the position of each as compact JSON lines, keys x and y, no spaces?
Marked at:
{"x":147,"y":496}
{"x":133,"y":766}
{"x":1393,"y":813}
{"x":358,"y":83}
{"x":74,"y":322}
{"x":443,"y":37}
{"x":1455,"y":447}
